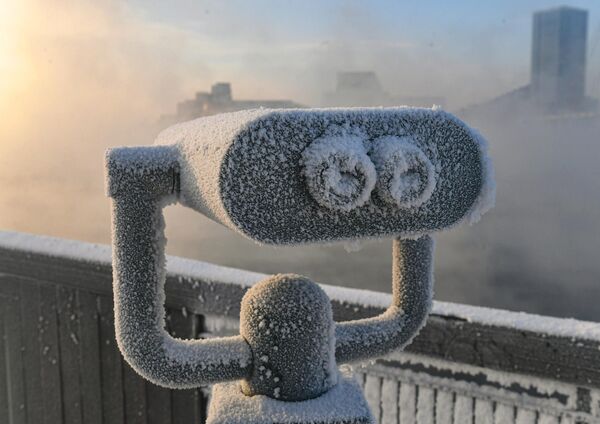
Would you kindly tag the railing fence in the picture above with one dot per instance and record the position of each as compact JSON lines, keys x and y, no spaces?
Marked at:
{"x":59,"y":362}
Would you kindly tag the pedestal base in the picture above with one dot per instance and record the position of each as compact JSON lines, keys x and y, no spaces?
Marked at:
{"x":342,"y":404}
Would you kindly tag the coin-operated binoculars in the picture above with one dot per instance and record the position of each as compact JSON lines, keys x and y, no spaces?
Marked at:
{"x":290,"y":177}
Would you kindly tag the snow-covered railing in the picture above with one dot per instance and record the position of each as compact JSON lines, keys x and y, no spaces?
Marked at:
{"x":59,"y":362}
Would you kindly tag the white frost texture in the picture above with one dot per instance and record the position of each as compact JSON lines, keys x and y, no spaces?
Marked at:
{"x":288,"y":323}
{"x":412,"y":291}
{"x":141,"y":183}
{"x":344,"y":403}
{"x":338,"y":172}
{"x":487,"y":197}
{"x":406,"y":176}
{"x":289,"y":177}
{"x":324,"y":175}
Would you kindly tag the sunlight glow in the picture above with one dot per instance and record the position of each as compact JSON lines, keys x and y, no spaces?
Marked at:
{"x":8,"y":51}
{"x":13,"y":70}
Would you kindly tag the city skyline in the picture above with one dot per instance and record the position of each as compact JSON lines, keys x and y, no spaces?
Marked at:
{"x":311,"y":42}
{"x":466,"y":52}
{"x":557,"y":84}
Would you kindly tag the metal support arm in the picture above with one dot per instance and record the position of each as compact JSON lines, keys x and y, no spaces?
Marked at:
{"x":141,"y":185}
{"x":412,"y":290}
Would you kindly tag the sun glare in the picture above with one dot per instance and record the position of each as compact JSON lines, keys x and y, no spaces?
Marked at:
{"x":8,"y":12}
{"x":10,"y":61}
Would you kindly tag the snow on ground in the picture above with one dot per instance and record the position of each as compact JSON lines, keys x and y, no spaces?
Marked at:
{"x":343,"y":403}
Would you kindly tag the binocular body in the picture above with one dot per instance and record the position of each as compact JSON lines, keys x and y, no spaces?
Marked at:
{"x":290,"y":177}
{"x":304,"y":176}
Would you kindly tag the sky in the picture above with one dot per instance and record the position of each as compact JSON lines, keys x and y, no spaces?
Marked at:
{"x":418,"y":48}
{"x":154,"y":53}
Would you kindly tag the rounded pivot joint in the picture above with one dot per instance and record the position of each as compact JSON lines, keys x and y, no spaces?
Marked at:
{"x":288,"y":323}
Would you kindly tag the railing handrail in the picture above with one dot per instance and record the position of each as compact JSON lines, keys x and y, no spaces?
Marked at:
{"x":100,"y":254}
{"x":566,"y":349}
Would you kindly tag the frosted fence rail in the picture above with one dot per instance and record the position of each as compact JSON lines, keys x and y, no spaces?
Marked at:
{"x":59,"y":362}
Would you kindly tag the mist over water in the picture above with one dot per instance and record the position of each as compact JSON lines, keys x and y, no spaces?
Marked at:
{"x":536,"y":251}
{"x":107,"y":85}
{"x":538,"y":247}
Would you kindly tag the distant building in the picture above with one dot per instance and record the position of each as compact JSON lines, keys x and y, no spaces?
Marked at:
{"x":558,"y":58}
{"x":364,"y":89}
{"x":220,"y":100}
{"x":558,"y":66}
{"x":356,"y":89}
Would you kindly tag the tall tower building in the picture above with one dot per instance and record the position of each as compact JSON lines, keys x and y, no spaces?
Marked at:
{"x":559,"y":58}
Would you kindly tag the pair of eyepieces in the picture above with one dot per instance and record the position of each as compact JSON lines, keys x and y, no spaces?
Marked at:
{"x":343,"y":170}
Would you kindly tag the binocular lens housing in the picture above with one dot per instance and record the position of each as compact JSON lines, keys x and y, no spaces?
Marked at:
{"x":312,"y":175}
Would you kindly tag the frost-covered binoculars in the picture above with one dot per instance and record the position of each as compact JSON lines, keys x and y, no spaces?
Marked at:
{"x":290,"y":177}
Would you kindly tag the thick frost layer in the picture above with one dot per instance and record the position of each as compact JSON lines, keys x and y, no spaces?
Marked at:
{"x":288,"y":322}
{"x":288,"y":177}
{"x":482,"y":381}
{"x":55,"y":247}
{"x":139,"y":276}
{"x":338,"y":172}
{"x":138,"y":283}
{"x":202,"y":145}
{"x":405,"y":176}
{"x":487,"y":197}
{"x":288,"y":345}
{"x":141,"y":171}
{"x":412,"y":292}
{"x":101,"y":254}
{"x":344,"y":403}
